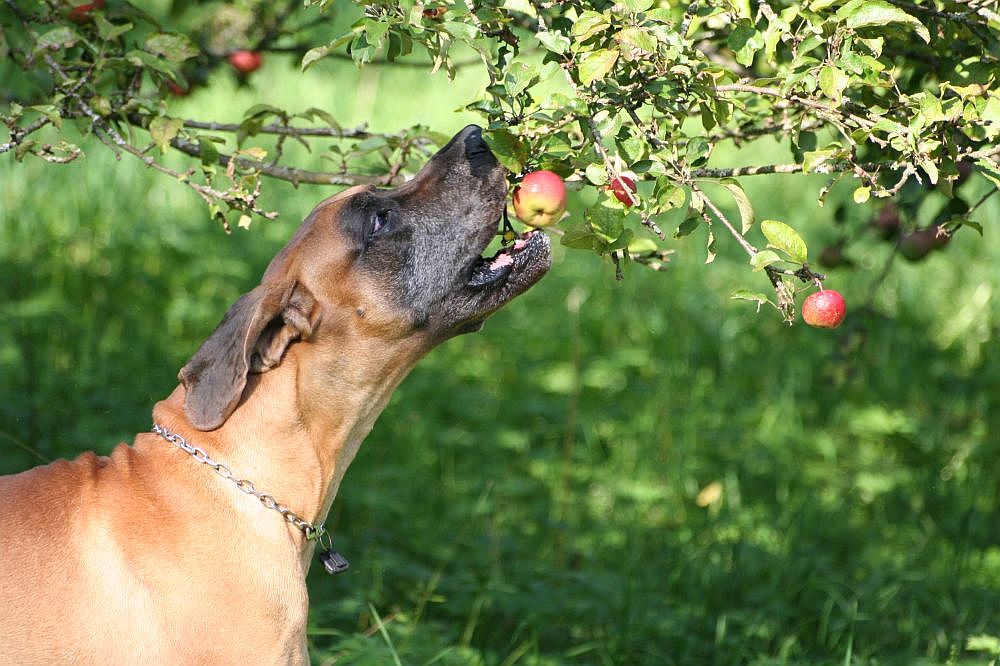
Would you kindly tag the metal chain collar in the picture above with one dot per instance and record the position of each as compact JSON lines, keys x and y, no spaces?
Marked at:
{"x":311,"y":532}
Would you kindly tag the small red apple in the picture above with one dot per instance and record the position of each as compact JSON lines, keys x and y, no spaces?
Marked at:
{"x":540,"y":199}
{"x":177,"y":89}
{"x":833,"y":256}
{"x":887,"y":222}
{"x":246,"y":61}
{"x":824,"y":309}
{"x":918,"y":244}
{"x":621,"y":186}
{"x":81,"y":13}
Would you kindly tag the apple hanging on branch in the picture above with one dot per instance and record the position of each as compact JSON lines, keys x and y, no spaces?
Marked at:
{"x":246,"y":61}
{"x":540,"y":199}
{"x":624,"y":189}
{"x":824,"y":309}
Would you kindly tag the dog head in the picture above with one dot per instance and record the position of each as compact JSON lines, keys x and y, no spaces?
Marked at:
{"x":399,"y":270}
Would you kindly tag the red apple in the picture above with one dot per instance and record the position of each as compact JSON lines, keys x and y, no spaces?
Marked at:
{"x":540,"y":199}
{"x":824,"y":309}
{"x":621,"y":186}
{"x":177,"y":89}
{"x":81,"y":13}
{"x":918,"y":244}
{"x":245,"y":61}
{"x":887,"y":223}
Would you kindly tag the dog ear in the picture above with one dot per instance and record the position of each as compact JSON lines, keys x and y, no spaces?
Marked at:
{"x":252,"y":337}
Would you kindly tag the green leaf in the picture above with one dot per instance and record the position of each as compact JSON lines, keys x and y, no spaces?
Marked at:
{"x":636,"y":6}
{"x":208,"y":152}
{"x":320,"y":52}
{"x":637,"y":38}
{"x":507,"y":148}
{"x":742,"y":202}
{"x":50,"y":111}
{"x":519,"y":77}
{"x":150,"y":61}
{"x":642,"y":245}
{"x":783,"y":238}
{"x":817,"y":161}
{"x":930,"y":168}
{"x":108,"y":30}
{"x":260,"y":110}
{"x":747,"y":295}
{"x":57,"y":39}
{"x":833,"y":81}
{"x":607,"y":223}
{"x":596,"y":65}
{"x":862,"y":194}
{"x":578,"y":235}
{"x":463,"y":31}
{"x":596,"y":174}
{"x":763,"y":259}
{"x":686,"y":227}
{"x":173,"y":47}
{"x":554,"y":41}
{"x":745,"y":40}
{"x":871,"y":13}
{"x":163,"y":129}
{"x":523,"y":6}
{"x":588,"y":24}
{"x":697,"y":150}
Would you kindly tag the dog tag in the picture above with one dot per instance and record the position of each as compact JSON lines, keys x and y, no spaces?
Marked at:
{"x":333,"y":562}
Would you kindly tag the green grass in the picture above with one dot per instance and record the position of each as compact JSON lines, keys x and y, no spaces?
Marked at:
{"x":531,"y":494}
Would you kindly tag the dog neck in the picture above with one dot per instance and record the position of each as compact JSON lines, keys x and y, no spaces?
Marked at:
{"x":300,"y":465}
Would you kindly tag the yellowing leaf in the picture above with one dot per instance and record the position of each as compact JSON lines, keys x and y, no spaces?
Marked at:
{"x":596,"y":65}
{"x":709,"y":495}
{"x":833,"y":81}
{"x":742,"y":202}
{"x":163,"y":130}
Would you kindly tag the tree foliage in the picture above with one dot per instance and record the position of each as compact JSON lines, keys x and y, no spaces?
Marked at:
{"x":888,"y":94}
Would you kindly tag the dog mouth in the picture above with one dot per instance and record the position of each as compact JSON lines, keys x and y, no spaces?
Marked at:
{"x":517,"y":262}
{"x":494,"y":280}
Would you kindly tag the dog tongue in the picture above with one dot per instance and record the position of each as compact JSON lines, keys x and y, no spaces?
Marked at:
{"x":501,"y":260}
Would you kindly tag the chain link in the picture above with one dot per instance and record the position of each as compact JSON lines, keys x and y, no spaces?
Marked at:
{"x":311,"y":532}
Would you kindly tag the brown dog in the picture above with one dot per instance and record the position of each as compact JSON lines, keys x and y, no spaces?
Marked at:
{"x":148,"y":557}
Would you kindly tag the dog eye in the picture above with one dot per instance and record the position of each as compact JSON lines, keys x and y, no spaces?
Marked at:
{"x":380,"y":222}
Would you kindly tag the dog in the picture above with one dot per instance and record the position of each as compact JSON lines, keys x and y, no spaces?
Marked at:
{"x":191,"y":546}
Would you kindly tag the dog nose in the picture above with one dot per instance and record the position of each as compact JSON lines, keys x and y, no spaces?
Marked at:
{"x":477,"y":152}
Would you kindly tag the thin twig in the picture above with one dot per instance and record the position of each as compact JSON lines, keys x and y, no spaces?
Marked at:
{"x":17,"y":134}
{"x":744,"y":243}
{"x":291,"y":174}
{"x":360,"y":132}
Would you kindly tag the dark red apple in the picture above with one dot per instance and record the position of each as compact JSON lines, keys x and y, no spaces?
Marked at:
{"x":833,"y":256}
{"x":540,"y":199}
{"x":246,"y":61}
{"x":624,"y":190}
{"x":824,"y":309}
{"x":918,"y":244}
{"x":81,"y":13}
{"x":886,"y":223}
{"x":177,"y":89}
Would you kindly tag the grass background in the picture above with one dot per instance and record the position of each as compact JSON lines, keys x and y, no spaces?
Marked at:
{"x":531,"y":495}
